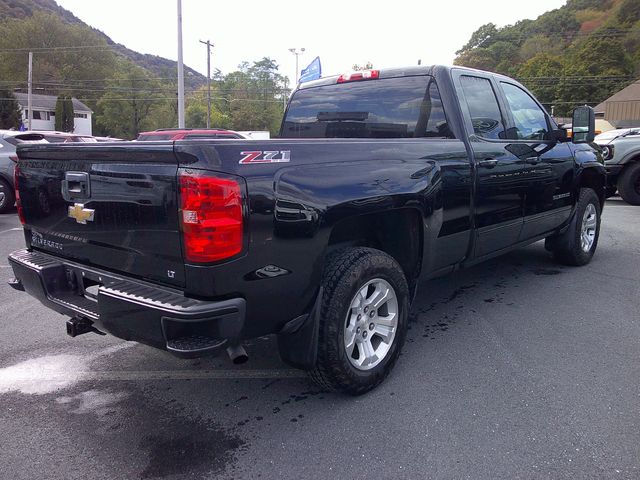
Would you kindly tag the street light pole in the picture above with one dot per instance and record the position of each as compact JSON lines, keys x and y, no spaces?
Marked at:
{"x":209,"y":45}
{"x":180,"y":70}
{"x":297,"y":54}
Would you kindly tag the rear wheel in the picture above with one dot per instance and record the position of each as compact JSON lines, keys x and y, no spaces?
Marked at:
{"x":578,"y":244}
{"x":363,"y":320}
{"x":7,"y":198}
{"x":629,"y":184}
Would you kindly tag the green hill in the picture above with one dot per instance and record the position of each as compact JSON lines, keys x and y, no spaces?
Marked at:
{"x":157,"y":66}
{"x":578,"y":54}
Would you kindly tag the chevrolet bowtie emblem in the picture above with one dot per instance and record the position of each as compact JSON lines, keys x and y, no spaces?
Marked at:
{"x":80,"y":214}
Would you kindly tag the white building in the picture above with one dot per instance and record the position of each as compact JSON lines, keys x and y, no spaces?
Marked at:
{"x":44,"y":113}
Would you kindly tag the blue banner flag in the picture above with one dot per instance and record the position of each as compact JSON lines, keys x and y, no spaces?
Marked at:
{"x":312,"y":72}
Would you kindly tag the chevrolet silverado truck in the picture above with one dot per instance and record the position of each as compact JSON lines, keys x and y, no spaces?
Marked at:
{"x":379,"y":179}
{"x":621,"y":154}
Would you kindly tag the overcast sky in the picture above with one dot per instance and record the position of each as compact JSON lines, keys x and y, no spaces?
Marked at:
{"x":341,"y":33}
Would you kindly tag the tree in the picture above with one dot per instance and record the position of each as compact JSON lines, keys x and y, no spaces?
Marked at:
{"x":477,"y":58}
{"x":64,"y":114}
{"x":588,"y":4}
{"x":480,"y":37}
{"x":130,"y":104}
{"x":71,"y":66}
{"x":559,"y":22}
{"x":68,"y":119}
{"x":253,"y":96}
{"x":537,"y":44}
{"x":564,"y":56}
{"x":366,"y":66}
{"x":59,"y":112}
{"x":196,"y":110}
{"x":10,"y":116}
{"x":629,"y":12}
{"x":541,"y":75}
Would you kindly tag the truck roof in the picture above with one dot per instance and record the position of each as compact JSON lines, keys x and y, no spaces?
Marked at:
{"x":400,"y":72}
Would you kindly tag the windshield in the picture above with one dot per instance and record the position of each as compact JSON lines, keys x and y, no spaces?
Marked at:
{"x":404,"y":107}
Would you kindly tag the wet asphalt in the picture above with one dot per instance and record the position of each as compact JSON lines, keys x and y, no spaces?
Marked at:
{"x":516,"y":368}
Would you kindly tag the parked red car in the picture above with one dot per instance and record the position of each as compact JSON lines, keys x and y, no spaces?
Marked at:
{"x":185,"y":133}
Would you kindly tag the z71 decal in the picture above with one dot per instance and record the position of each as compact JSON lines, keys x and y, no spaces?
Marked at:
{"x":276,"y":156}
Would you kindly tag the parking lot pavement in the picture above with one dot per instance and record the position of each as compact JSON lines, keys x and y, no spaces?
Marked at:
{"x":516,"y":368}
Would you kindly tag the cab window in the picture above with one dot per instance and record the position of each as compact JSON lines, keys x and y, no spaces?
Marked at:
{"x":397,"y":107}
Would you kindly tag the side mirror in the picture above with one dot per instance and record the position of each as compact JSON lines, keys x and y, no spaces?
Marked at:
{"x":583,"y":125}
{"x":558,"y":135}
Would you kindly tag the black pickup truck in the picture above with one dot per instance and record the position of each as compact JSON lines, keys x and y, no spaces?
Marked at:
{"x":379,"y":179}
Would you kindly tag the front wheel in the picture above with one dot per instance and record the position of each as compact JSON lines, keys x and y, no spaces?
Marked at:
{"x":629,"y":184}
{"x":578,"y":244}
{"x":363,"y":320}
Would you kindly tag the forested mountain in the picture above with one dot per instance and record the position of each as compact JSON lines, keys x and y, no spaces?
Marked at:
{"x":129,"y":92}
{"x":580,"y":53}
{"x":21,"y":9}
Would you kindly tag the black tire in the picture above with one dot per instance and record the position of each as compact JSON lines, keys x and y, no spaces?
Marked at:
{"x":629,"y":184}
{"x":567,"y":248}
{"x":345,"y":273}
{"x":7,"y":197}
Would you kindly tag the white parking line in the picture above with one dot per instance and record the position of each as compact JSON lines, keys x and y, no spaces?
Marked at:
{"x":12,"y":230}
{"x":125,"y":375}
{"x":193,"y":374}
{"x":50,"y":373}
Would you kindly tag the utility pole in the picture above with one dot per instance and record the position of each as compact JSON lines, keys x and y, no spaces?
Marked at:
{"x":297,"y":54}
{"x":30,"y":91}
{"x":180,"y":70}
{"x":209,"y":45}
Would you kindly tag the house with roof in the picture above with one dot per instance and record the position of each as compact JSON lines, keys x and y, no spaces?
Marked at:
{"x":44,"y":113}
{"x":622,"y":109}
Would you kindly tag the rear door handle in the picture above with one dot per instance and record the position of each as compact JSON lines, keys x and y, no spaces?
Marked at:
{"x":488,"y":162}
{"x":532,"y":160}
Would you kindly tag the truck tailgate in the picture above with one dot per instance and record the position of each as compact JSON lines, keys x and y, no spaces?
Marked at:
{"x":114,"y":206}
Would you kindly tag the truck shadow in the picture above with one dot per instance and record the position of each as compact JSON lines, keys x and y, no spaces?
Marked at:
{"x":198,"y":427}
{"x":440,"y":302}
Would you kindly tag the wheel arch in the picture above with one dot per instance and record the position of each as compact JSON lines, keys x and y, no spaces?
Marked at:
{"x":595,"y":179}
{"x":630,"y":158}
{"x":398,"y":232}
{"x":5,"y":178}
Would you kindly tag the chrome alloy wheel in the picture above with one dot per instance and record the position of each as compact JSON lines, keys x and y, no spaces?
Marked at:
{"x":589,"y":225}
{"x":371,"y":324}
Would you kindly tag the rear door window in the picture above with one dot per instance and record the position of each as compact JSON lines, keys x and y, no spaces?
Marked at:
{"x":403,"y":107}
{"x":486,"y":117}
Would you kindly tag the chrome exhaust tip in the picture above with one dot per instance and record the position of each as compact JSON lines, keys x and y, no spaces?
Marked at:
{"x":237,"y":354}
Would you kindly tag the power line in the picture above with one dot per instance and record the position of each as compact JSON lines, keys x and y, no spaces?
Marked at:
{"x":60,"y":48}
{"x":153,"y":99}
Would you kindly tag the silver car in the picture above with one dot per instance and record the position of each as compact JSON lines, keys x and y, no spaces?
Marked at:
{"x":8,"y":141}
{"x":621,"y":153}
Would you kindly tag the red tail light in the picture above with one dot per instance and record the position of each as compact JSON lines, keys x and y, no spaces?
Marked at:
{"x":355,"y":76}
{"x":13,"y":158}
{"x":16,"y":175}
{"x":212,"y":221}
